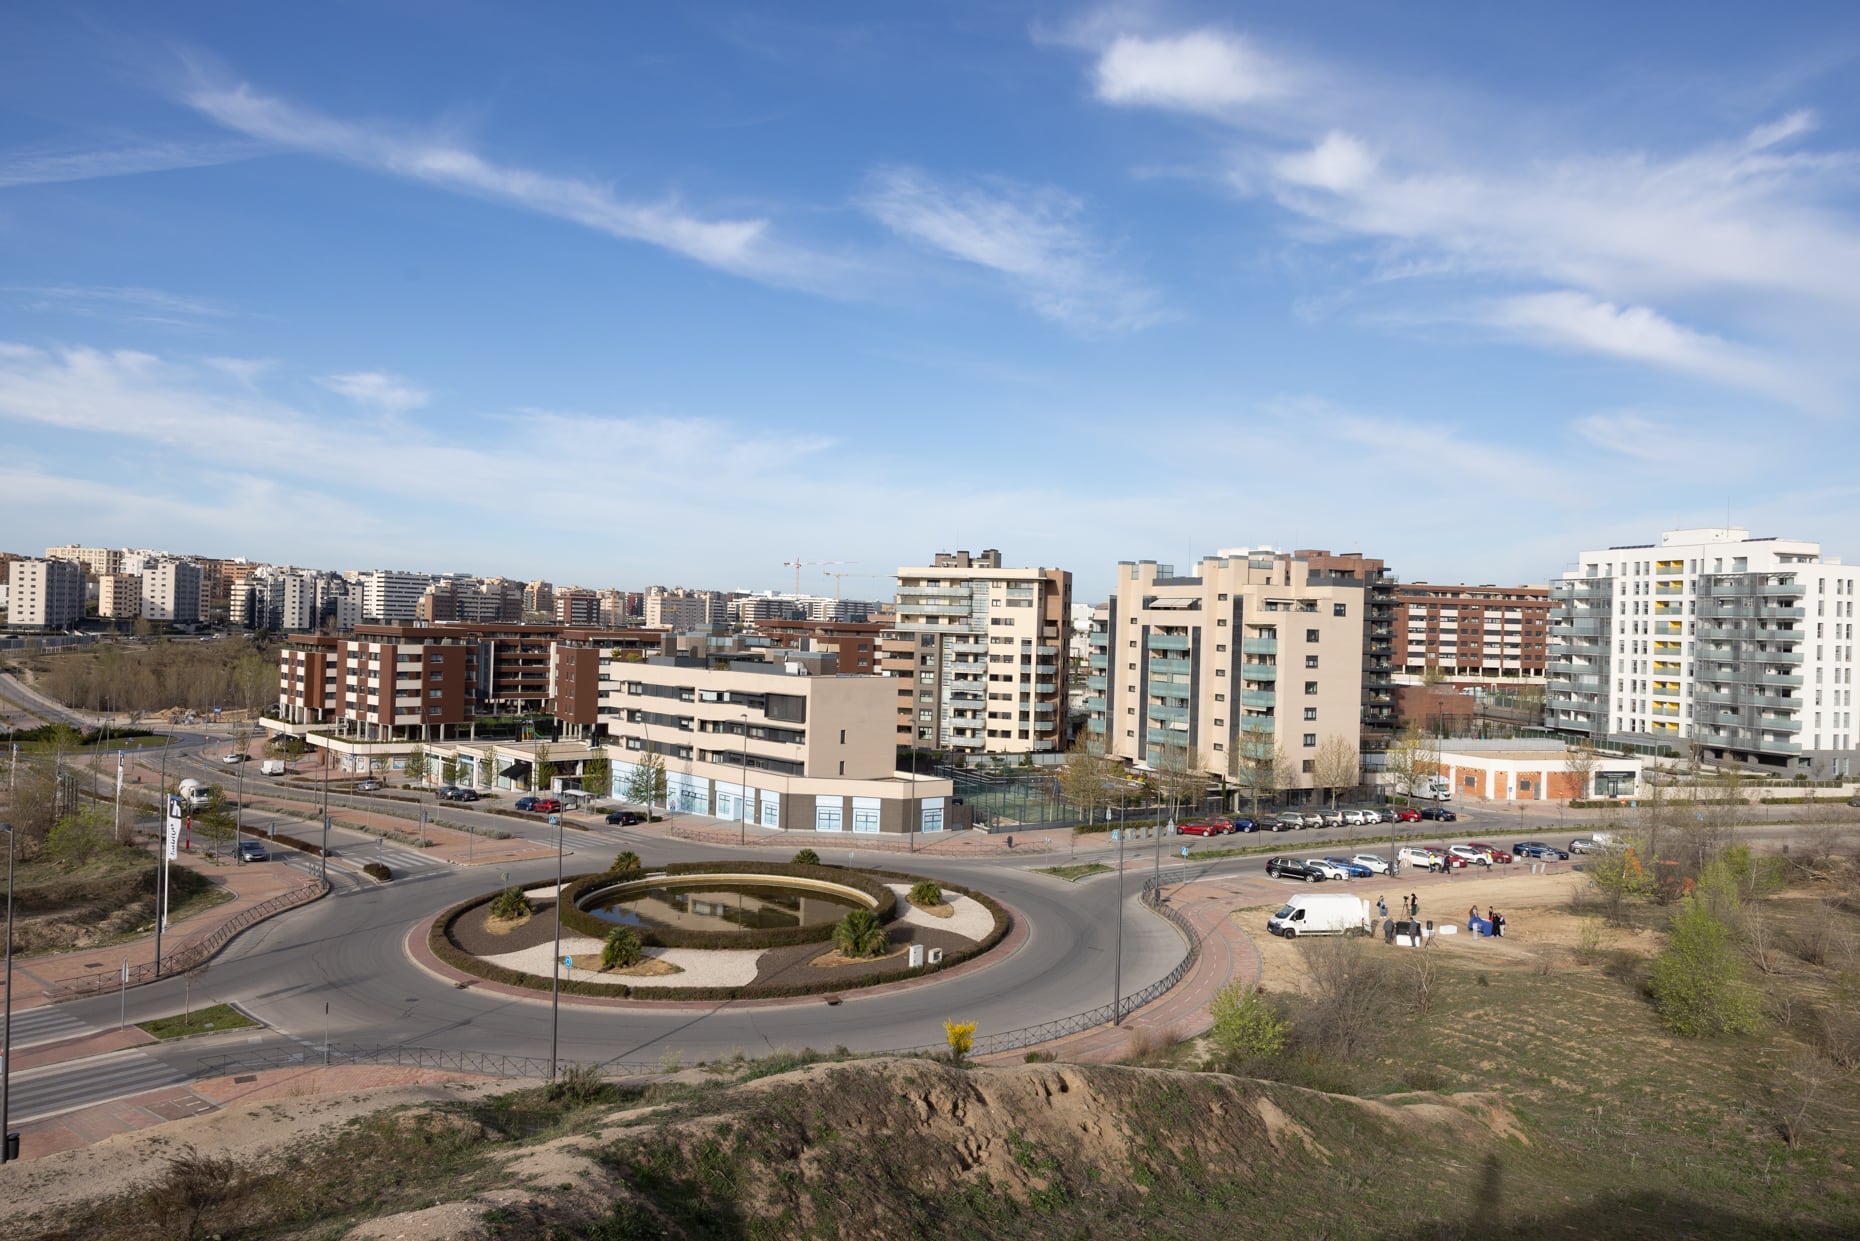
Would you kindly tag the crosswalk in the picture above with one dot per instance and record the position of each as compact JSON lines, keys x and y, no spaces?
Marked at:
{"x":49,"y":1024}
{"x":399,"y":860}
{"x":62,"y":1087}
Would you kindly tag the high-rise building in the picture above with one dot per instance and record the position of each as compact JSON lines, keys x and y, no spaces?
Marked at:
{"x":97,"y":561}
{"x":44,"y":594}
{"x":681,"y":608}
{"x":1742,"y":648}
{"x":1489,"y":632}
{"x":1258,"y":653}
{"x":979,"y":650}
{"x":539,"y":597}
{"x":171,"y":591}
{"x":389,"y":595}
{"x":577,"y":607}
{"x":119,"y":596}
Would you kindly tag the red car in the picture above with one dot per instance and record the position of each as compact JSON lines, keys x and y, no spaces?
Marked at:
{"x":1204,"y":829}
{"x":547,"y":805}
{"x":1498,"y":854}
{"x":1402,"y":814}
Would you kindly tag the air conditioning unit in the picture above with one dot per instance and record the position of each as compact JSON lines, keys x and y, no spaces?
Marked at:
{"x":936,"y":956}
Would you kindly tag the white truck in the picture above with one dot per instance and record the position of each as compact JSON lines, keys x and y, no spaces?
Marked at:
{"x":1320,"y":914}
{"x":195,"y":794}
{"x":272,"y":767}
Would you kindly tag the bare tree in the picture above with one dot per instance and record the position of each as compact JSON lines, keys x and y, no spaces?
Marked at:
{"x":1413,"y":756}
{"x":1802,"y":1080}
{"x":1089,"y":778}
{"x":1176,"y":779}
{"x":1352,"y":993}
{"x":1581,"y":759}
{"x":1259,"y":766}
{"x":1338,"y":767}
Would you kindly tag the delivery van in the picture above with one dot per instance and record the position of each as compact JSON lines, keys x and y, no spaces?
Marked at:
{"x":1320,"y":914}
{"x":272,"y":766}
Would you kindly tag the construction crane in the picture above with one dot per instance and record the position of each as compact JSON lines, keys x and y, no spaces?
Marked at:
{"x":840,"y":577}
{"x":797,"y":564}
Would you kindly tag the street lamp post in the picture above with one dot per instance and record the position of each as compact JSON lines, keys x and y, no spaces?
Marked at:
{"x":1117,"y":969}
{"x":555,"y":966}
{"x":9,"y":1141}
{"x":239,"y":811}
{"x":742,"y":793}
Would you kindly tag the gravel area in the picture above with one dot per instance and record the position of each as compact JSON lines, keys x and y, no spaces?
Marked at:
{"x":723,"y":968}
{"x":970,"y":920}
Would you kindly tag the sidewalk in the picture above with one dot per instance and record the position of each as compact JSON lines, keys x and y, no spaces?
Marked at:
{"x":44,"y":979}
{"x":701,"y":829}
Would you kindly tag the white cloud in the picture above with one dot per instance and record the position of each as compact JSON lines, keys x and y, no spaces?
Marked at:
{"x":1032,"y":235}
{"x":743,"y":246}
{"x":1205,"y":71}
{"x":377,"y":390}
{"x":126,"y":303}
{"x":1340,"y":164}
{"x":44,"y":166}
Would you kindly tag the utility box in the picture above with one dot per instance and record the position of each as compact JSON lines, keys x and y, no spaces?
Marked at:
{"x":917,"y":956}
{"x":936,"y":955}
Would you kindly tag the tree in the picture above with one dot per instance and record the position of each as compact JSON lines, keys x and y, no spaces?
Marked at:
{"x":1618,"y":875}
{"x":449,"y":770}
{"x":806,"y":857}
{"x":416,"y":764}
{"x":78,"y":837}
{"x":1176,"y":779}
{"x":1259,"y":766}
{"x":487,"y":769}
{"x":597,"y":775}
{"x":542,"y":771}
{"x":1245,"y":1025}
{"x":1582,"y":759}
{"x":1089,"y":779}
{"x":1696,"y":982}
{"x":1413,"y":756}
{"x":621,"y":950}
{"x":1338,"y":767}
{"x":859,"y":934}
{"x":646,"y":784}
{"x":624,"y":863}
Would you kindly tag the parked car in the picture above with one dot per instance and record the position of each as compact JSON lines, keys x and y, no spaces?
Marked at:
{"x":1421,"y":859}
{"x":1243,"y":824}
{"x":234,"y":757}
{"x":625,"y":818}
{"x":1354,"y":818}
{"x":1493,"y":851}
{"x":367,"y":786}
{"x":1403,"y":814}
{"x":1439,"y":814}
{"x":548,"y":805}
{"x":1215,"y":828}
{"x":1372,"y":817}
{"x":454,"y":793}
{"x":1292,"y":868}
{"x":1373,"y":863}
{"x":1583,"y":844}
{"x":526,"y":803}
{"x":1324,"y":914}
{"x":1468,"y":854}
{"x":1329,"y":818}
{"x":1353,"y":869}
{"x":253,"y":851}
{"x":1327,"y":868}
{"x":1538,"y":849}
{"x":1288,"y":823}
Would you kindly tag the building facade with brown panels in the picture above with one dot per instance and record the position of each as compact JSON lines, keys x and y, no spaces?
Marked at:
{"x":1472,"y":631}
{"x":855,"y":643}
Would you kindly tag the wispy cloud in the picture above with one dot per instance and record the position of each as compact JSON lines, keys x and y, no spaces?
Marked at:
{"x":43,"y":165}
{"x":744,"y":247}
{"x":1206,"y":71}
{"x":1034,"y":236}
{"x":124,"y":303}
{"x":378,"y":390}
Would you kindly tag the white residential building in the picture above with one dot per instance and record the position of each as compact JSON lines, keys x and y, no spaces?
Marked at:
{"x":171,"y":591}
{"x":44,"y":594}
{"x":1741,"y":647}
{"x":98,"y":561}
{"x":119,"y":596}
{"x":391,"y":595}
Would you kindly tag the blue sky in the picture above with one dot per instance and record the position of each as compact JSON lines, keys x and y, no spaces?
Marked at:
{"x":619,"y":295}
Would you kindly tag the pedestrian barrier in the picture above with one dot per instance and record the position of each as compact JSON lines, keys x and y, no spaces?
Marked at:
{"x":308,"y":1055}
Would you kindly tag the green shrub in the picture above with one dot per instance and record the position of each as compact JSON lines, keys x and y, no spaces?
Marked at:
{"x":1245,"y":1024}
{"x":926,"y":892}
{"x":807,"y":857}
{"x":860,"y":934}
{"x":510,"y":904}
{"x":624,"y":863}
{"x":377,"y":871}
{"x":620,"y":949}
{"x":1697,"y":983}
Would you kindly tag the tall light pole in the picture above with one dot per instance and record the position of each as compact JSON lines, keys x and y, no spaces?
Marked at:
{"x":1117,"y":968}
{"x":742,"y":816}
{"x":239,"y":811}
{"x":9,"y":1141}
{"x":555,"y":966}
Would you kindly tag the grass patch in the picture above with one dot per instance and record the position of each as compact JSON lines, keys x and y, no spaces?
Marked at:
{"x":1072,"y":874}
{"x":200,"y":1021}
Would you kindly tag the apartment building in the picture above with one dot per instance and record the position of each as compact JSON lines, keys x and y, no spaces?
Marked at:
{"x":119,"y":596}
{"x":97,"y":561}
{"x":978,"y":651}
{"x":854,"y":645}
{"x":1741,"y":647}
{"x":468,"y":599}
{"x":171,"y":592}
{"x":764,"y":744}
{"x":1257,"y":652}
{"x":1487,"y":632}
{"x":390,"y":595}
{"x":682,"y":609}
{"x":581,"y":608}
{"x":539,"y":597}
{"x":44,"y":594}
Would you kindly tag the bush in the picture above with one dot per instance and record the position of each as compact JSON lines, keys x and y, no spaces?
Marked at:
{"x":1696,"y":983}
{"x":510,"y":904}
{"x":1245,"y":1025}
{"x":377,"y":871}
{"x":926,"y":892}
{"x":624,"y":863}
{"x":807,"y":857}
{"x":860,"y":934}
{"x":621,"y":949}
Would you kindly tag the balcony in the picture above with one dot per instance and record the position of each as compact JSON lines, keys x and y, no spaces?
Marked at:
{"x":1259,"y":672}
{"x":1171,"y":667}
{"x":1256,"y":724}
{"x":1168,"y":642}
{"x":1096,"y":681}
{"x":1097,"y":659}
{"x":1669,"y":590}
{"x":1259,"y":646}
{"x":1258,"y":698}
{"x":1172,"y":689}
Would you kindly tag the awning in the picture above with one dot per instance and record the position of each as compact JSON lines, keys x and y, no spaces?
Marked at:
{"x":516,"y":771}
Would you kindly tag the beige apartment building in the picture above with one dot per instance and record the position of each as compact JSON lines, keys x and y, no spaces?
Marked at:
{"x":768,"y":744}
{"x":171,"y":591}
{"x":44,"y":594}
{"x":1258,"y":652}
{"x":97,"y":561}
{"x":119,"y":596}
{"x":978,"y":651}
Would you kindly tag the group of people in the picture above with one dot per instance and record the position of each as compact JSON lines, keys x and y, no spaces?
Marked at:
{"x":1493,"y":920}
{"x":1410,"y":907}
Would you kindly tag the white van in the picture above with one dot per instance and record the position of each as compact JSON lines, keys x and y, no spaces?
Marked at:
{"x":1325,"y":914}
{"x":272,"y":767}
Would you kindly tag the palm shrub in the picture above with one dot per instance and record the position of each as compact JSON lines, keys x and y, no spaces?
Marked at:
{"x":807,"y":857}
{"x":624,"y":863}
{"x":926,"y":892}
{"x":510,"y":904}
{"x":859,"y":934}
{"x":621,"y":949}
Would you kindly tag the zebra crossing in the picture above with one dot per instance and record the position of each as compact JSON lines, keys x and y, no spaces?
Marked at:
{"x":401,"y":861}
{"x":49,"y":1024}
{"x":62,"y":1087}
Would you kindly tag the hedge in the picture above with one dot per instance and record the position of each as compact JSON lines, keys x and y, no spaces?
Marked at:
{"x":440,"y":941}
{"x":781,"y":937}
{"x":377,"y":871}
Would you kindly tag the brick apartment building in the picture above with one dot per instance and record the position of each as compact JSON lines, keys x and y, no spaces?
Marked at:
{"x":1485,"y":632}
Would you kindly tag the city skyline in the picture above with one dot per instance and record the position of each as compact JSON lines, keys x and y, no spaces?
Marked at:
{"x":680,"y":296}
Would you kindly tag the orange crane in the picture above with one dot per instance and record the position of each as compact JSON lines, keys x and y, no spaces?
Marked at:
{"x":838,"y":578}
{"x":797,"y":564}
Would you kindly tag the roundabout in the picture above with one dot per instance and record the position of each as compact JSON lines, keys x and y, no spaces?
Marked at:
{"x":719,"y":932}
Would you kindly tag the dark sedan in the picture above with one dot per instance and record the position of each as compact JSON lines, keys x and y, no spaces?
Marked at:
{"x":1538,"y":849}
{"x":1294,"y":868}
{"x":1440,"y":814}
{"x":625,"y":818}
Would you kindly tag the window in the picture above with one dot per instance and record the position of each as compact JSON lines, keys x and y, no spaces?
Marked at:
{"x":1311,"y":687}
{"x":1220,"y":698}
{"x":1311,"y":713}
{"x":1310,"y":741}
{"x":842,"y":736}
{"x":1308,"y":766}
{"x":1311,"y":661}
{"x":1339,"y":609}
{"x":1311,"y":635}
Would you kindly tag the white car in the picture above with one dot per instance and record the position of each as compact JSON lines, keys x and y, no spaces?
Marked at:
{"x":234,"y":757}
{"x":1327,"y":868}
{"x":1413,"y":855}
{"x":1354,"y":818}
{"x":1473,"y":857}
{"x":1372,"y":817}
{"x":1376,"y":863}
